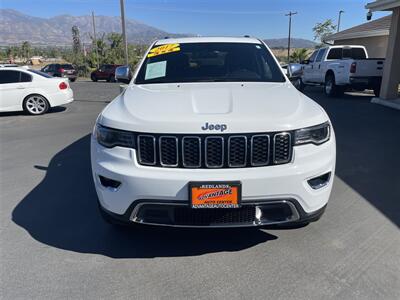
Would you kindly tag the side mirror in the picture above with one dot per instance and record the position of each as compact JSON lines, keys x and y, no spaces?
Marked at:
{"x":123,"y":74}
{"x":305,"y":62}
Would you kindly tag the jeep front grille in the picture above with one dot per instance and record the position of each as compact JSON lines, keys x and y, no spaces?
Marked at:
{"x":214,"y":151}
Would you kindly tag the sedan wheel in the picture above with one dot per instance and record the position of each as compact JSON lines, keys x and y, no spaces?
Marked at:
{"x":36,"y":105}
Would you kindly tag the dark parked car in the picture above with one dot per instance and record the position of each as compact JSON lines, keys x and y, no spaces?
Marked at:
{"x":61,"y":70}
{"x":105,"y":72}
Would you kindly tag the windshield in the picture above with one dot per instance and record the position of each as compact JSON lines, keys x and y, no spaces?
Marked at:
{"x":208,"y":62}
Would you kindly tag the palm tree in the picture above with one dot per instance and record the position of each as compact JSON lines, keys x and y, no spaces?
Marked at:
{"x":299,"y":55}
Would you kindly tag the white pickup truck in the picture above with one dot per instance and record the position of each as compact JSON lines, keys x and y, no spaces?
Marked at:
{"x":341,"y":68}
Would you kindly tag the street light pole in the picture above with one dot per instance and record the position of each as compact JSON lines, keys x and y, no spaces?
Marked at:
{"x":95,"y":40}
{"x":122,"y":4}
{"x":338,"y":24}
{"x":290,"y":14}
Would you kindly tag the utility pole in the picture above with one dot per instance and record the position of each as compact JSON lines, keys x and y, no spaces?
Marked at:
{"x":95,"y":40}
{"x":338,"y":24}
{"x":122,"y":4}
{"x":290,"y":14}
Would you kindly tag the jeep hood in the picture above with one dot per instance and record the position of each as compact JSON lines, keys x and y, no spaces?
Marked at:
{"x":186,"y":107}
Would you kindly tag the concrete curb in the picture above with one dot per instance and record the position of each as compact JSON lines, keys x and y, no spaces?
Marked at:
{"x":395,"y":103}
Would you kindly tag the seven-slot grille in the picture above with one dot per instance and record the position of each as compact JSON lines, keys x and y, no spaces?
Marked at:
{"x":214,"y":151}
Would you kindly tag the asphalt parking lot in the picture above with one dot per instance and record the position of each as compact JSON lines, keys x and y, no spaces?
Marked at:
{"x":54,"y":244}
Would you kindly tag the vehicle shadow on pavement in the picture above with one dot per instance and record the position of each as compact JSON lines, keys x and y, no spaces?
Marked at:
{"x":52,"y":110}
{"x":368,"y":143}
{"x":62,"y":212}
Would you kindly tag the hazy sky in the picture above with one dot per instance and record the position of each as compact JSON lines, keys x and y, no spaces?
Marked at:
{"x":260,"y":18}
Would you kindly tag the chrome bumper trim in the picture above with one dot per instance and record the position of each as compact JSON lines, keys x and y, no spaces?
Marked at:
{"x":258,"y":222}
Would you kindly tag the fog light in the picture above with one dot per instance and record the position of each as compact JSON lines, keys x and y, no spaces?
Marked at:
{"x":320,"y":181}
{"x":109,"y":183}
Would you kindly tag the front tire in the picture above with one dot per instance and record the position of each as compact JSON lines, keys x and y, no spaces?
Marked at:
{"x":94,"y":78}
{"x":72,"y":79}
{"x":330,"y":87}
{"x":299,"y":84}
{"x":35,"y":104}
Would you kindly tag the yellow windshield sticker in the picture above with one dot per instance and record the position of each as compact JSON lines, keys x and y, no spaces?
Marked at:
{"x":164,"y":49}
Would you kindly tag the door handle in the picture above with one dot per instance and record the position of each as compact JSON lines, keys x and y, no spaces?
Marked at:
{"x":319,"y":66}
{"x":20,"y":87}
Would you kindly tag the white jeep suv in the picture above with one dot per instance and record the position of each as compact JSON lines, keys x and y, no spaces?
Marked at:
{"x":211,"y":133}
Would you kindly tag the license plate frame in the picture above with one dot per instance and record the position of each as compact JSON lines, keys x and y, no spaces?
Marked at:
{"x":215,"y":194}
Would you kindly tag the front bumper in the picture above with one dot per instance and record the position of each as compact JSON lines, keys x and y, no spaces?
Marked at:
{"x":261,"y":186}
{"x":178,"y":214}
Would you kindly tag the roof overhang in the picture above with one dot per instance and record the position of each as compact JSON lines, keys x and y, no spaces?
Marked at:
{"x":380,"y":5}
{"x":354,"y":35}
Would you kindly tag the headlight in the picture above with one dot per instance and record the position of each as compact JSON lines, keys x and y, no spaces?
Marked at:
{"x":109,"y":137}
{"x":315,"y":135}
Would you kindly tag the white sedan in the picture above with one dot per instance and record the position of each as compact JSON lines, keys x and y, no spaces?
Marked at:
{"x":32,"y":91}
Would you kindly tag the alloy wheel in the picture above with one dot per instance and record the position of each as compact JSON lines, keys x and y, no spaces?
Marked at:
{"x":36,"y":105}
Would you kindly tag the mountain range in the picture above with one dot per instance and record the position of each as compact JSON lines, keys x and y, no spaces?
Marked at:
{"x":16,"y":27}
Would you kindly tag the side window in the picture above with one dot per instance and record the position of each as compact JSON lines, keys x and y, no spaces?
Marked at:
{"x":313,"y":55}
{"x":335,"y":53}
{"x":321,"y":54}
{"x":9,"y":76}
{"x":25,"y":77}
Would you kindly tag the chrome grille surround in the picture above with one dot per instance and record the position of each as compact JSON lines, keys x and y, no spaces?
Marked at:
{"x":163,"y":151}
{"x":184,"y":158}
{"x":208,"y":151}
{"x":230,"y":149}
{"x":266,"y":161}
{"x":281,"y":151}
{"x":141,"y":158}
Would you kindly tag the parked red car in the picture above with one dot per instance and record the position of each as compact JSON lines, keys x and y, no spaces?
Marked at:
{"x":105,"y":72}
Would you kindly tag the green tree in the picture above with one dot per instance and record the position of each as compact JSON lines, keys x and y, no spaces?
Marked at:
{"x":26,"y":50}
{"x":299,"y":55}
{"x":115,"y":53}
{"x":321,"y":30}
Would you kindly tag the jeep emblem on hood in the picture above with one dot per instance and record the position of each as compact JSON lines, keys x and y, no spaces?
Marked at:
{"x":218,"y":127}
